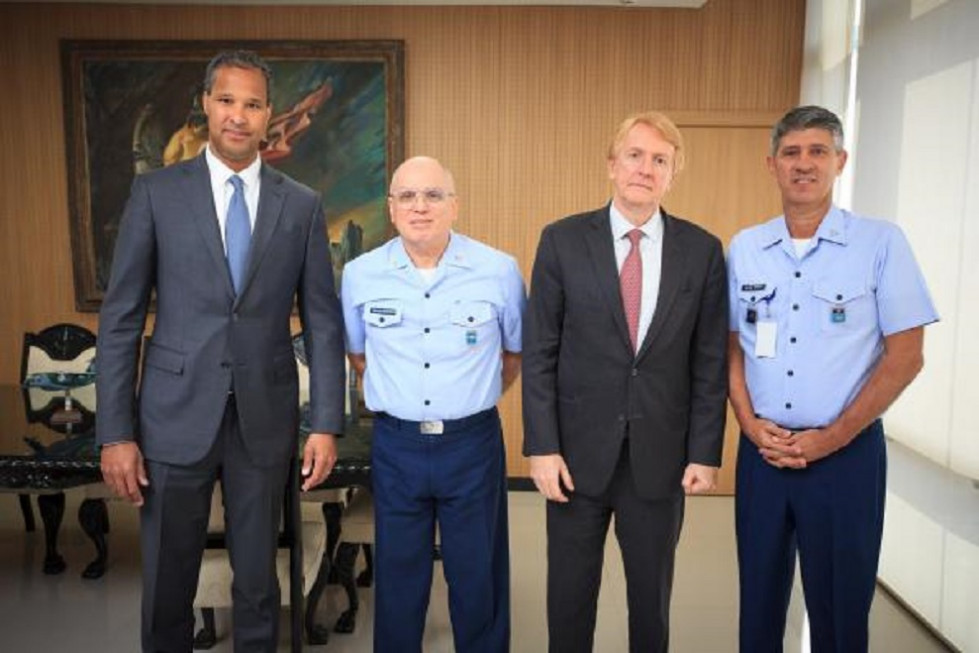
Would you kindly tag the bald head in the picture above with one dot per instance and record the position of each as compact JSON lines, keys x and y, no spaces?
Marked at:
{"x":424,"y":168}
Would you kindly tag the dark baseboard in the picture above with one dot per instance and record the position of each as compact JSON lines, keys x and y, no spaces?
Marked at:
{"x":520,"y":484}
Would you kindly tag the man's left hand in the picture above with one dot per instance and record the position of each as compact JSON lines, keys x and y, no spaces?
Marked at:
{"x":698,"y":479}
{"x":319,"y":457}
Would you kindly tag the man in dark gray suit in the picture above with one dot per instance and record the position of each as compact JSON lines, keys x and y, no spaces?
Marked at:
{"x":227,"y":244}
{"x":624,"y":383}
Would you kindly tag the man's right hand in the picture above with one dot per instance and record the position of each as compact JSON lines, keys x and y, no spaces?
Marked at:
{"x":774,"y":444}
{"x":124,"y":472}
{"x":549,"y":472}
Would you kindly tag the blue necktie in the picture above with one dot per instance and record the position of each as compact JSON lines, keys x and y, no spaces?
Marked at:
{"x":237,"y":233}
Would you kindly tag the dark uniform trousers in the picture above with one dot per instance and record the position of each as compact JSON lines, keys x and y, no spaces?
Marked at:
{"x":832,"y":512}
{"x":647,"y":532}
{"x":173,"y":529}
{"x":457,"y":479}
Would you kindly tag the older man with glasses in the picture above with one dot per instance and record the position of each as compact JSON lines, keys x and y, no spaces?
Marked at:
{"x":433,"y":322}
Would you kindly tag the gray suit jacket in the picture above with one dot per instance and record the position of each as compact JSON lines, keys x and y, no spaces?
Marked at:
{"x":206,"y":341}
{"x":582,"y":383}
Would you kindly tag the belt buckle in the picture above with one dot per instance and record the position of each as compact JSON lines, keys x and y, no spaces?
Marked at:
{"x":432,"y":427}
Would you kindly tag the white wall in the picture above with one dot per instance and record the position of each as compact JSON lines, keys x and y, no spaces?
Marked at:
{"x":914,"y":141}
{"x":917,"y":162}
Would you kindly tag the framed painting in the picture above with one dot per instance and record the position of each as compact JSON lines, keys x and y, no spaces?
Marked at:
{"x":133,"y":106}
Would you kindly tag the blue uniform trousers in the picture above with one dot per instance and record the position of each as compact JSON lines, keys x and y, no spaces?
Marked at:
{"x":457,"y":478}
{"x":832,"y":513}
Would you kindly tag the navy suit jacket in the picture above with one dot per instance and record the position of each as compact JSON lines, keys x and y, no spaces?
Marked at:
{"x":584,"y":389}
{"x":206,"y":340}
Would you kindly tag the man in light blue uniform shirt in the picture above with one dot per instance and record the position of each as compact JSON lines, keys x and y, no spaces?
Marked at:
{"x":434,"y":327}
{"x":827,"y":325}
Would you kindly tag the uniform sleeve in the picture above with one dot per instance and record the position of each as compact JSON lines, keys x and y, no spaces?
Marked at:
{"x":353,"y":321}
{"x":515,"y":301}
{"x":903,"y":300}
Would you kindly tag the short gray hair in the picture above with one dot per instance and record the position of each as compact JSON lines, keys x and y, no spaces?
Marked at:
{"x":808,"y":117}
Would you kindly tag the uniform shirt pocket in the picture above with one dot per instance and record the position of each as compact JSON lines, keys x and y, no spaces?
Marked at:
{"x":383,"y":313}
{"x":843,"y":305}
{"x":756,"y":302}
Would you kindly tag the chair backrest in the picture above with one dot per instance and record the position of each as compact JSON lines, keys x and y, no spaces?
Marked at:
{"x":56,"y":362}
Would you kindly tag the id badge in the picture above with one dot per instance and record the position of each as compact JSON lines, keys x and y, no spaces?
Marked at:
{"x":765,"y":337}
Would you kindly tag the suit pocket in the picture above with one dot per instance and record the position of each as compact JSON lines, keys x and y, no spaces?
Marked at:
{"x":165,"y":360}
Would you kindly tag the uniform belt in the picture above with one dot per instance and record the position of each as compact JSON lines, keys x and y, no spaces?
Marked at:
{"x":797,"y":429}
{"x":436,"y":426}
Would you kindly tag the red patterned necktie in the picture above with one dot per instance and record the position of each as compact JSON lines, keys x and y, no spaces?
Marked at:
{"x":630,"y":283}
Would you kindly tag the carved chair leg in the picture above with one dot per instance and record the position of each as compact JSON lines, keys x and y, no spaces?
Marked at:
{"x":332,"y":512}
{"x":207,"y":636}
{"x":317,"y":634}
{"x":366,"y":577}
{"x":346,"y":559}
{"x":94,"y":519}
{"x":27,"y":512}
{"x":52,"y":508}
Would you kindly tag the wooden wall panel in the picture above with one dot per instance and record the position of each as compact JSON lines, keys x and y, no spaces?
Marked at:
{"x":518,"y":101}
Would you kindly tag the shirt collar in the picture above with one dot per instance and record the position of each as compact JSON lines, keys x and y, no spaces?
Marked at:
{"x":456,"y":253}
{"x":832,"y":228}
{"x":220,"y":173}
{"x":653,"y":228}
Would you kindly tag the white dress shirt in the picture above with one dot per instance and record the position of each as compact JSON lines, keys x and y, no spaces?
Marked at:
{"x":222,"y":189}
{"x":651,"y":253}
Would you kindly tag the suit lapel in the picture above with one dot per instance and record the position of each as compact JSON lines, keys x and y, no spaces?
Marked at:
{"x":201,"y":199}
{"x":602,"y":253}
{"x":671,"y":274}
{"x":270,"y":201}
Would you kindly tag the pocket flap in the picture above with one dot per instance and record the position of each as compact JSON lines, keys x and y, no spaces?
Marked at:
{"x":838,"y":291}
{"x":383,"y":313}
{"x":471,"y":313}
{"x":164,"y":359}
{"x":754,"y":292}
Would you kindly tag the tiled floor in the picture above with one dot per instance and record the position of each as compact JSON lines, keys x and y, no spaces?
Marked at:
{"x":41,"y":613}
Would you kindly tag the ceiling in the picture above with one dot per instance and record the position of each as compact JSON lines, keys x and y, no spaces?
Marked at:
{"x":689,"y":4}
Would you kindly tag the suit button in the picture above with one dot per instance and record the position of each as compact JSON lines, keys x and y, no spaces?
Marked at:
{"x":621,"y":418}
{"x":225,"y":364}
{"x":635,"y":372}
{"x":427,"y":330}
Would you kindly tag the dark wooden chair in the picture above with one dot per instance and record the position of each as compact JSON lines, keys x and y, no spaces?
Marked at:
{"x":57,"y":378}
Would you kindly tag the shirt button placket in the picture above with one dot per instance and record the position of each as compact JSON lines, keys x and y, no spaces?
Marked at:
{"x":797,"y":308}
{"x":425,"y":354}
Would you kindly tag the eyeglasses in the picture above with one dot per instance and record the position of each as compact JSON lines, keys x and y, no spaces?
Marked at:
{"x":407,"y":196}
